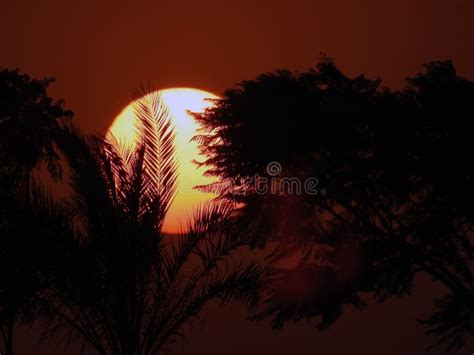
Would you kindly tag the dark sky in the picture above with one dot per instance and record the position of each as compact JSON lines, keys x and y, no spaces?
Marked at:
{"x":99,"y":51}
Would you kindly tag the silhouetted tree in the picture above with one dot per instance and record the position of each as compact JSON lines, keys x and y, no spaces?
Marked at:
{"x":394,"y":189}
{"x":35,"y":242}
{"x":29,"y":119}
{"x":131,"y":289}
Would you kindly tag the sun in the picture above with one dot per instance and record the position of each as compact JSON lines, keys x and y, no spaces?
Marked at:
{"x":178,"y":102}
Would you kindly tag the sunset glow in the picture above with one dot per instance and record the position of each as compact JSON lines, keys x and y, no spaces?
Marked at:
{"x":178,"y":102}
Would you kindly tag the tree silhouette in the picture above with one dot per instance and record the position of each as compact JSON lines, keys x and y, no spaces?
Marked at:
{"x":29,"y":120}
{"x":35,"y":243}
{"x":394,"y":167}
{"x":129,"y":288}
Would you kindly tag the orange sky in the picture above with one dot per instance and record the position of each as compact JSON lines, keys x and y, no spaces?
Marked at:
{"x":100,"y":51}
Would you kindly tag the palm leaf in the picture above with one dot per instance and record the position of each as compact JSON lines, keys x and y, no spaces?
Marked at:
{"x":156,"y":133}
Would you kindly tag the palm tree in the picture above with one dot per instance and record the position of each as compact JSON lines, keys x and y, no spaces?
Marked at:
{"x":130,"y":288}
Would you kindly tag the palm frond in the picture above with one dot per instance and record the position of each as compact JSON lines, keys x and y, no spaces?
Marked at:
{"x":197,"y":268}
{"x":156,"y":133}
{"x":89,"y":180}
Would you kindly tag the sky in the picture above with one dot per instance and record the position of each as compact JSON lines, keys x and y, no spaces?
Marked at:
{"x":100,"y":51}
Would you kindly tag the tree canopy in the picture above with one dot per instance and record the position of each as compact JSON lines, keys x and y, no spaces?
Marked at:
{"x":29,"y":118}
{"x":394,"y":187}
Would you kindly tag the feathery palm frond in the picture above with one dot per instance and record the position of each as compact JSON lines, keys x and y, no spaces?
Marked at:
{"x":197,"y":268}
{"x":89,"y":176}
{"x":156,"y":133}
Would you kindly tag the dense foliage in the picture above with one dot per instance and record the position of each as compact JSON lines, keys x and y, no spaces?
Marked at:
{"x":395,"y":187}
{"x":29,"y":118}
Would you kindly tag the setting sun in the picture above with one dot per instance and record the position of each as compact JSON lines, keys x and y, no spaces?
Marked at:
{"x":178,"y":102}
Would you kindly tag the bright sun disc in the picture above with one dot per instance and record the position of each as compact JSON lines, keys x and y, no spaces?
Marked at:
{"x":178,"y":102}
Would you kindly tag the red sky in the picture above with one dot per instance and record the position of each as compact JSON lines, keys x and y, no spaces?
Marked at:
{"x":99,"y":51}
